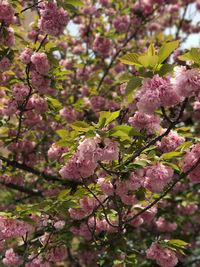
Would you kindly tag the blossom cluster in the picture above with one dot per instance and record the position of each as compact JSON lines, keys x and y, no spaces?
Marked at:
{"x":99,"y":149}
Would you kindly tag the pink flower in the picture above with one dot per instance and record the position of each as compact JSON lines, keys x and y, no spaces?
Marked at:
{"x":88,"y":149}
{"x":82,"y":231}
{"x":190,"y":159}
{"x":37,"y":103}
{"x":11,"y":228}
{"x":157,"y":177}
{"x":25,"y":56}
{"x":170,"y":142}
{"x":53,"y":19}
{"x":164,"y":257}
{"x":110,"y":151}
{"x":70,"y":114}
{"x":89,"y":10}
{"x":37,"y":262}
{"x":189,"y":209}
{"x":5,"y":63}
{"x":156,"y":92}
{"x":164,"y":226}
{"x":40,"y":82}
{"x":8,"y":39}
{"x":186,"y":82}
{"x":11,"y":258}
{"x":148,"y":215}
{"x":88,"y":204}
{"x":76,"y":169}
{"x":121,"y":24}
{"x":40,"y":62}
{"x":142,"y":121}
{"x":135,"y":222}
{"x":198,"y":4}
{"x":104,"y":3}
{"x":6,"y":12}
{"x":56,"y":254}
{"x":97,"y":102}
{"x":102,"y":46}
{"x":55,"y":152}
{"x":145,"y":6}
{"x":59,"y":224}
{"x":106,"y":186}
{"x":20,"y":91}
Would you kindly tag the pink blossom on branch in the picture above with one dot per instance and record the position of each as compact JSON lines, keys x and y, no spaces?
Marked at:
{"x":53,"y":19}
{"x":164,"y":257}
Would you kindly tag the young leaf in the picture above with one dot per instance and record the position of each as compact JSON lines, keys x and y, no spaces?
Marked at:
{"x":166,"y":68}
{"x":193,"y":55}
{"x":81,"y":126}
{"x":75,"y":3}
{"x":130,"y":131}
{"x":54,"y":102}
{"x":148,"y":60}
{"x":130,"y":59}
{"x":112,"y":116}
{"x":177,"y":243}
{"x":151,"y":50}
{"x":133,"y":84}
{"x":107,"y":117}
{"x":171,"y":155}
{"x":166,"y":50}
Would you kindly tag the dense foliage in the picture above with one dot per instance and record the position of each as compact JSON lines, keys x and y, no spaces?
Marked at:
{"x":99,"y":125}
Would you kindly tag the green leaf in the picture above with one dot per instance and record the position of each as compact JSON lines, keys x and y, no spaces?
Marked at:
{"x":125,"y":77}
{"x":172,"y":165}
{"x":177,"y":243}
{"x":151,"y":50}
{"x":193,"y":55}
{"x":62,"y":133}
{"x":148,"y":60}
{"x":124,"y":129}
{"x":140,"y":163}
{"x":133,"y":84}
{"x":3,"y":130}
{"x":5,"y":88}
{"x":166,"y":50}
{"x":81,"y":126}
{"x":140,"y":193}
{"x":130,"y":59}
{"x":107,"y":117}
{"x":112,"y":116}
{"x":171,"y":155}
{"x":184,"y":146}
{"x":64,"y":195}
{"x":166,"y":68}
{"x":54,"y":102}
{"x":75,"y":3}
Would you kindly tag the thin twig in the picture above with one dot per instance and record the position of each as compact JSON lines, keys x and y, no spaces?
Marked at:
{"x":183,"y":175}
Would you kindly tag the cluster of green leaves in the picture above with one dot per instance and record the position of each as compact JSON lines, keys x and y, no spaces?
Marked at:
{"x":151,"y":60}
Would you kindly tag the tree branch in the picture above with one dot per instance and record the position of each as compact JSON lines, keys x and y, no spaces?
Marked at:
{"x":22,"y":189}
{"x":183,"y":175}
{"x":36,"y":172}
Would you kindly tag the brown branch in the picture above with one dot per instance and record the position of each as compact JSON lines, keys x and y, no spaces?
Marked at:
{"x":118,"y":52}
{"x":29,"y":7}
{"x":165,"y":115}
{"x":24,"y":104}
{"x":181,"y":22}
{"x":36,"y":172}
{"x":22,"y":189}
{"x":158,"y":138}
{"x":101,"y":204}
